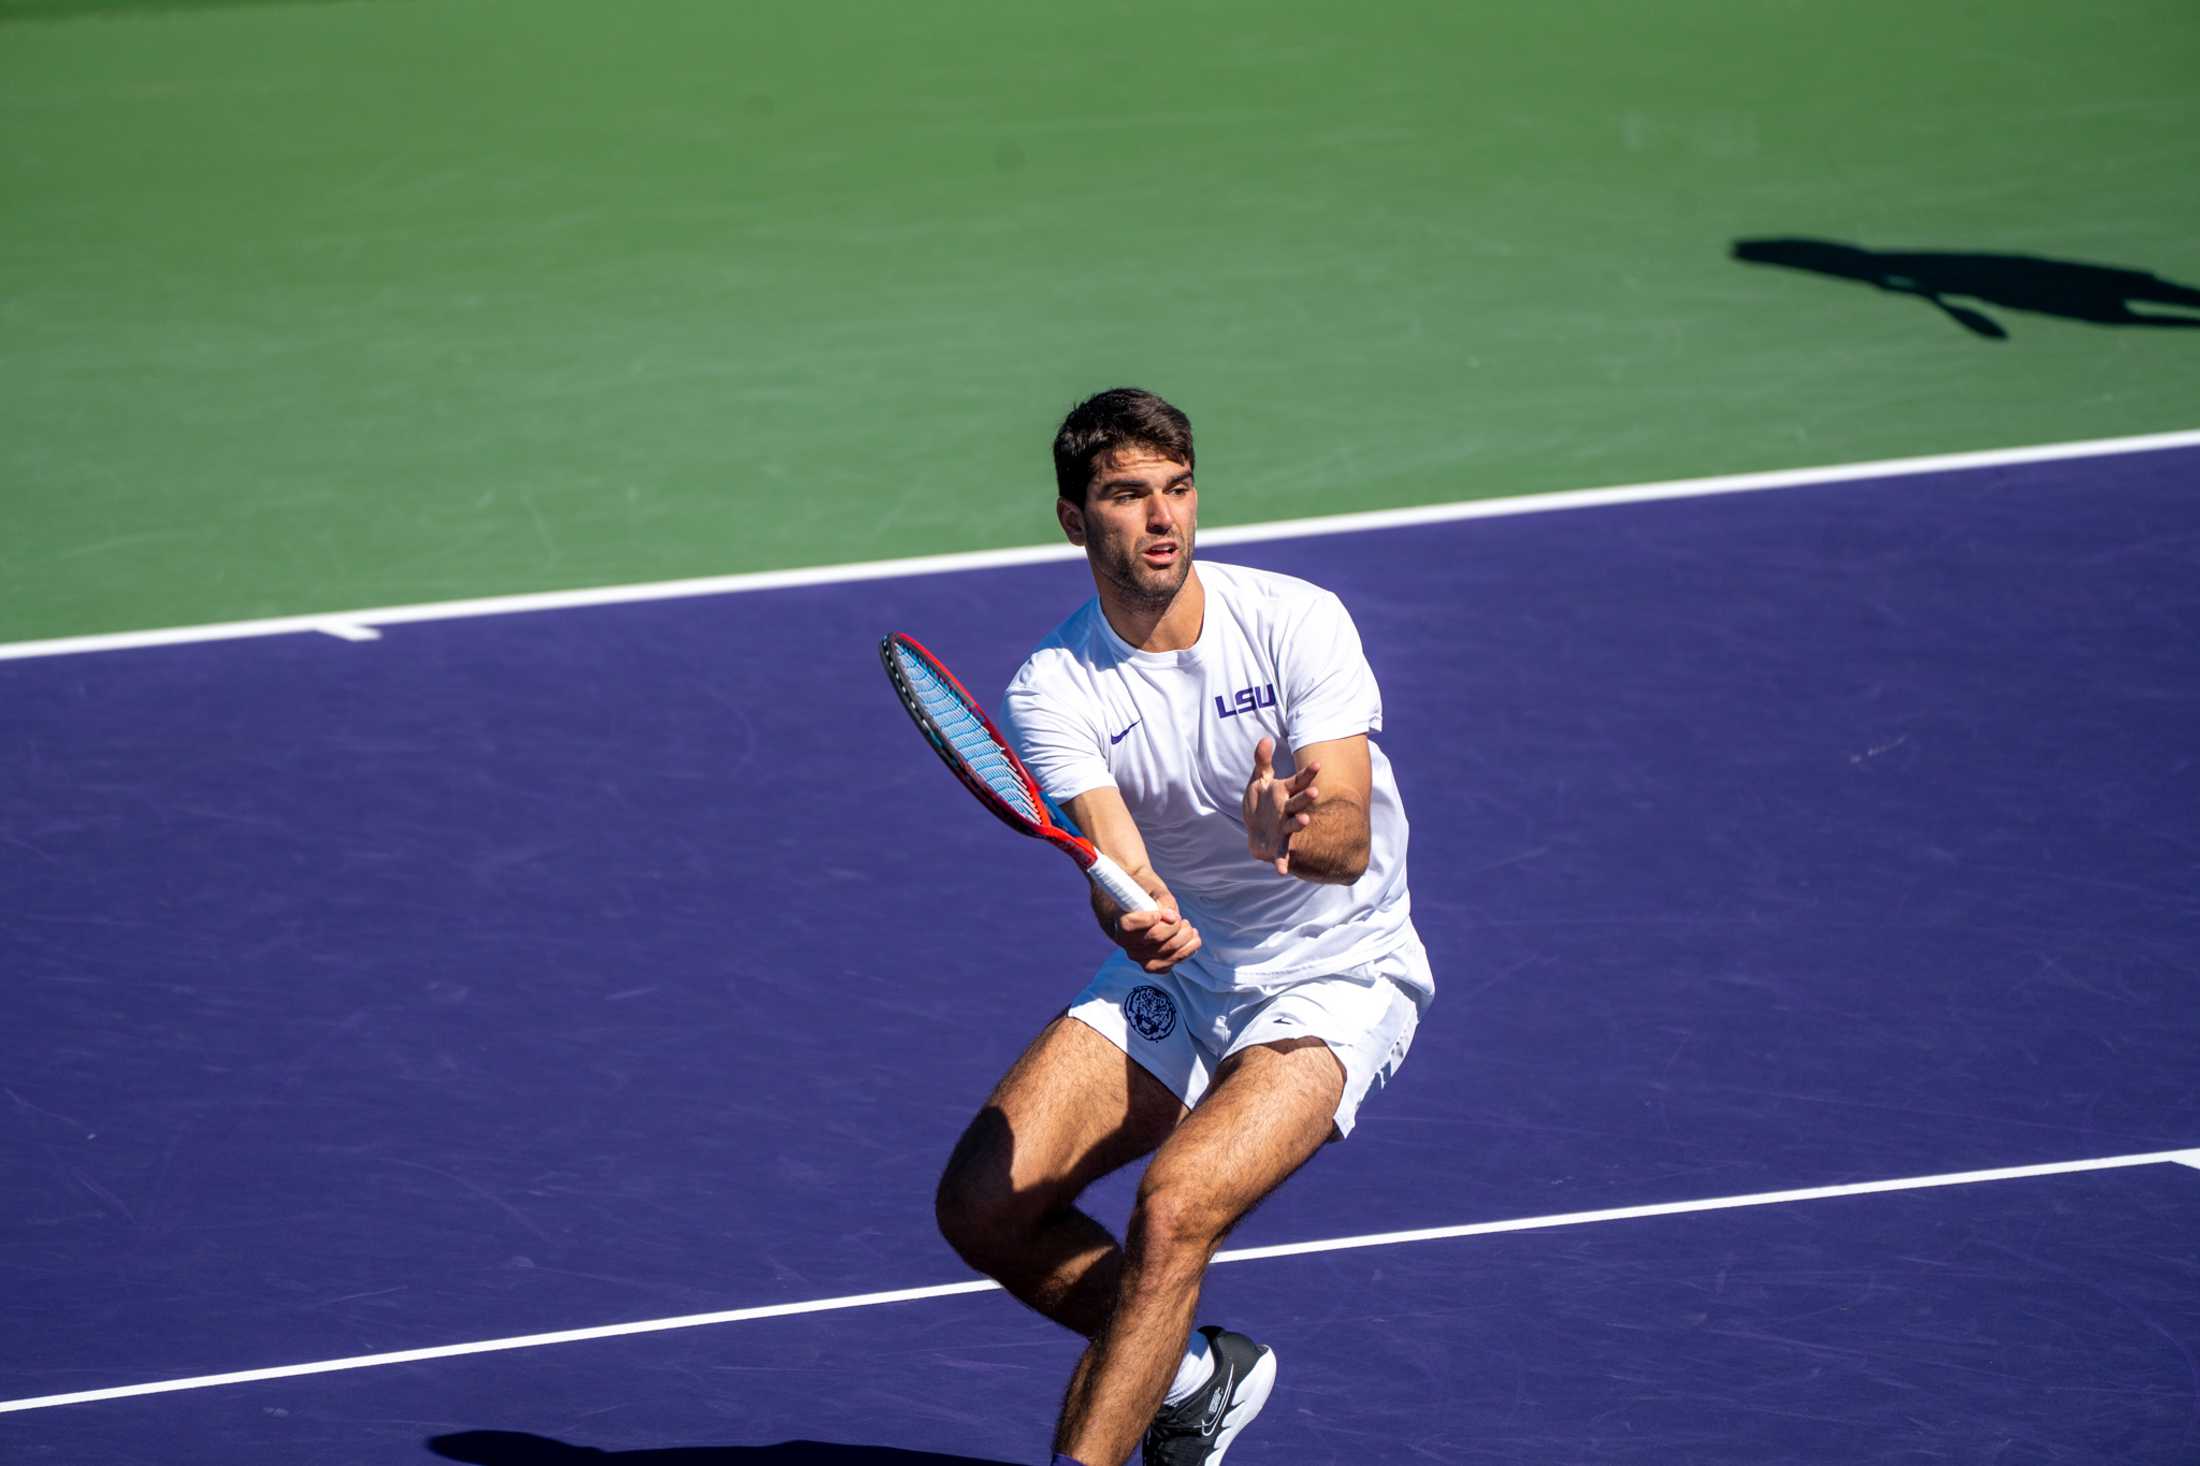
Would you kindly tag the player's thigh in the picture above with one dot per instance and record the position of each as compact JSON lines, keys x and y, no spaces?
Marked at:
{"x":1072,"y":1109}
{"x":1269,"y":1111}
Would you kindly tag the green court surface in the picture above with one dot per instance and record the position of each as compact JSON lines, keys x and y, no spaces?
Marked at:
{"x":328,"y":305}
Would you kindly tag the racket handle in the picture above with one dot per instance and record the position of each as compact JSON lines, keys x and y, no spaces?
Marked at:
{"x":1116,"y":881}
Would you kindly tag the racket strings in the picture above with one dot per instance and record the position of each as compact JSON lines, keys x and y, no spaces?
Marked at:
{"x":967,"y":739}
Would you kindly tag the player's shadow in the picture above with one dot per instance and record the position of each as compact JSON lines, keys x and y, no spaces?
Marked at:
{"x":518,"y":1448}
{"x":2072,"y":289}
{"x":72,"y":9}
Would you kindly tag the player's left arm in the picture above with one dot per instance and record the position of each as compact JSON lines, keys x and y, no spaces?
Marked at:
{"x":1314,"y":824}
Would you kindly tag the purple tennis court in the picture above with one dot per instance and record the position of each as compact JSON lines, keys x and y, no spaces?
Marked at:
{"x":545,"y":972}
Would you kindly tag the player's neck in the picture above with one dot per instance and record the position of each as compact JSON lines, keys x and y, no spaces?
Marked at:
{"x":1170,"y":628}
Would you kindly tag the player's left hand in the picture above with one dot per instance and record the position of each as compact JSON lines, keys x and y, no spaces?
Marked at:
{"x":1276,"y":809}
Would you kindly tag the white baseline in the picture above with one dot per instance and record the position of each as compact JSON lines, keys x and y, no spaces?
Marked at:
{"x":1241,"y":1254}
{"x":359,"y":625}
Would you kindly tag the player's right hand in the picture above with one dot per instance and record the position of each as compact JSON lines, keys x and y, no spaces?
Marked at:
{"x":1156,"y":940}
{"x":1276,"y":809}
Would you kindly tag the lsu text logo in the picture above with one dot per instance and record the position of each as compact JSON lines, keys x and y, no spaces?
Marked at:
{"x":1246,"y":700}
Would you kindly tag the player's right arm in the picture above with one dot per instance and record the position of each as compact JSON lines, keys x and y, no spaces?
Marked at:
{"x":1155,"y":940}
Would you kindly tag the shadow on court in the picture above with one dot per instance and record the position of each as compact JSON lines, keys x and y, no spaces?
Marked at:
{"x":517,"y":1448}
{"x":73,"y":9}
{"x":2101,"y":294}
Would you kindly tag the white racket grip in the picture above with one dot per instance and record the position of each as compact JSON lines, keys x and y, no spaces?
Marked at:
{"x":1117,"y":882}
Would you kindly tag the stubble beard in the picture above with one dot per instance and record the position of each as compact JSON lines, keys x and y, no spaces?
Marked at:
{"x":1140,"y":586}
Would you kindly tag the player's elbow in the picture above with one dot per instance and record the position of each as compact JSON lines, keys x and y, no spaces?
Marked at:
{"x":1350,"y":867}
{"x":1340,"y":867}
{"x":1347,"y":840}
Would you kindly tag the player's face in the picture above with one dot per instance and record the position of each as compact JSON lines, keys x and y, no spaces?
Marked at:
{"x":1140,"y":515}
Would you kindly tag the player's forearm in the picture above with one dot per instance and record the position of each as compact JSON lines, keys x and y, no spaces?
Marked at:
{"x":1106,"y":912}
{"x":1333,"y":849}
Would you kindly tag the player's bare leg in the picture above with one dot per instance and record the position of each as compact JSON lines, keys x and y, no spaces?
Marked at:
{"x":1072,"y":1109}
{"x":1270,"y":1109}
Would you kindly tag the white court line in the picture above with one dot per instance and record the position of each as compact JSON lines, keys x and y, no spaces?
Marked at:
{"x":1241,"y":1254}
{"x":354,"y":625}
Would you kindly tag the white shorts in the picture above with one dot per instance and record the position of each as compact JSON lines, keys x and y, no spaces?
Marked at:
{"x":1180,"y":1032}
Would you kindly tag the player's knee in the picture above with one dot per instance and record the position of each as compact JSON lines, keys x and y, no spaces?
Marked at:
{"x":969,"y":1212}
{"x":976,"y":1204}
{"x":1176,"y":1217}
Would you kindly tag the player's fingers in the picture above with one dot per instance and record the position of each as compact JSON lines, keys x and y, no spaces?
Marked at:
{"x":1304,"y":799}
{"x":1283,"y":864}
{"x":1304,"y":778}
{"x":1264,"y":753}
{"x":1161,"y":956}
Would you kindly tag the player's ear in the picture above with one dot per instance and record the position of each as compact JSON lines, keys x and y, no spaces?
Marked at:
{"x":1072,"y":517}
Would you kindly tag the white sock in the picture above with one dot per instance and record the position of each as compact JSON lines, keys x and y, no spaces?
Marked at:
{"x":1198,"y":1367}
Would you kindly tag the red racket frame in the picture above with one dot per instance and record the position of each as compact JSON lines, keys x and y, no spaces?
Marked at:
{"x":1075,"y":846}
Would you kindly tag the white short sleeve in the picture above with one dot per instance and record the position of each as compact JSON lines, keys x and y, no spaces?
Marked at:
{"x":1064,"y":754}
{"x":1329,"y":690}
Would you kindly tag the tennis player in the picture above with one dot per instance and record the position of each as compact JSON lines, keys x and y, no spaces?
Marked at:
{"x":1209,"y":727}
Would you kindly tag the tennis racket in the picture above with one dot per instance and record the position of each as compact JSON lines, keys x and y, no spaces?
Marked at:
{"x":974,"y":750}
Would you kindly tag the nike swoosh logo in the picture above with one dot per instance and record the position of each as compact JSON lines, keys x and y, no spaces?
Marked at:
{"x":1216,"y":1406}
{"x":1119,"y":737}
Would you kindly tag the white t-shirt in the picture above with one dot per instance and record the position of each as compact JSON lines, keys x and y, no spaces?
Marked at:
{"x":1174,"y":733}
